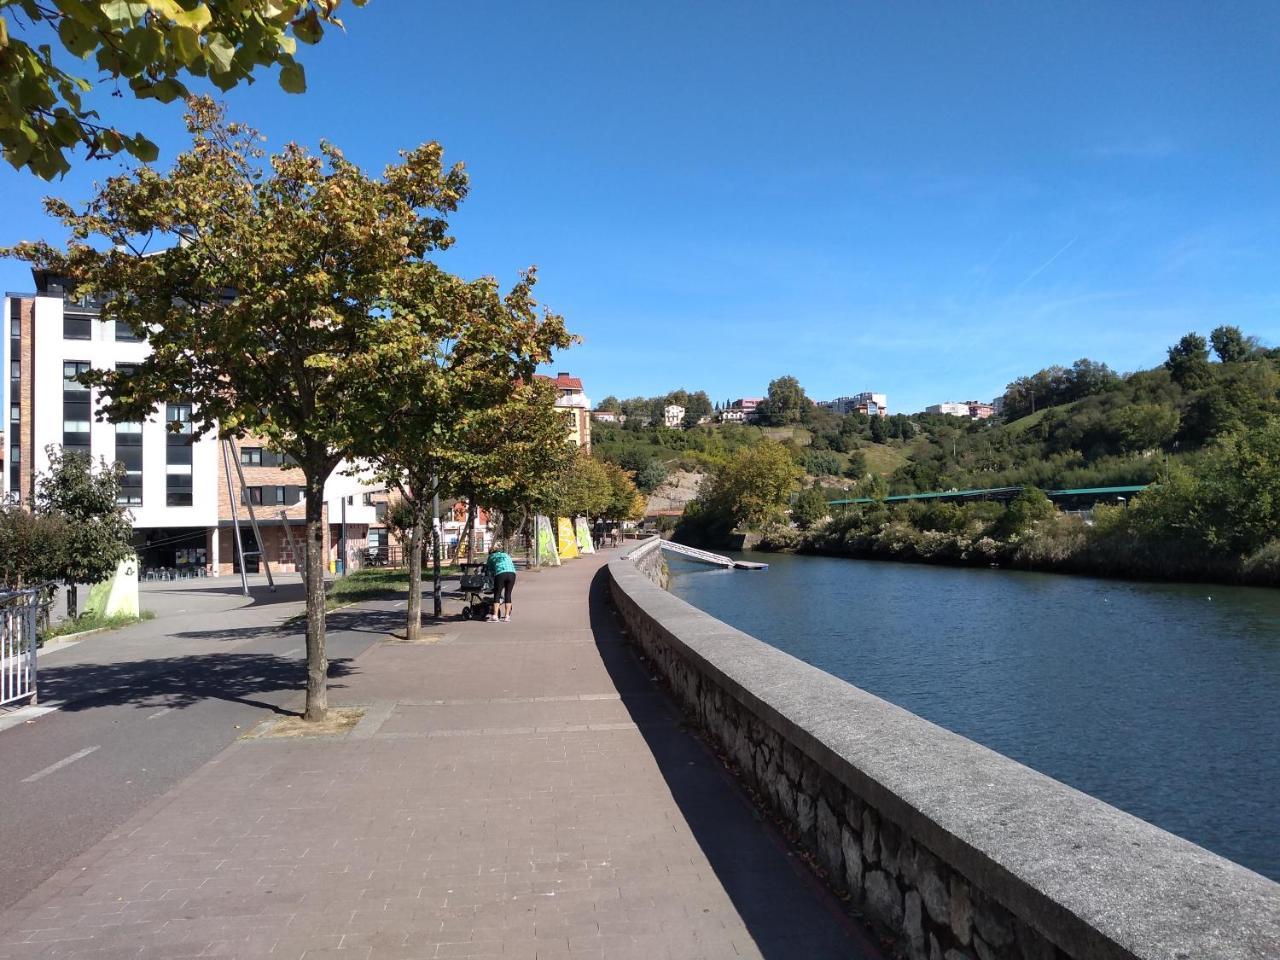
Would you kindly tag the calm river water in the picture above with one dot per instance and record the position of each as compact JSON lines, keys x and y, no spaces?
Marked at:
{"x":1161,"y":699}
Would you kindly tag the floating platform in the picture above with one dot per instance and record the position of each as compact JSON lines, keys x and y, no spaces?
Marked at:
{"x":715,"y":559}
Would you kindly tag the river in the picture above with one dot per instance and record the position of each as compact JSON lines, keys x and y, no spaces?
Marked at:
{"x":1161,"y":699}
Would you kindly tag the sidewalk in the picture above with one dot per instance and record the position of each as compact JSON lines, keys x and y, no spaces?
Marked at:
{"x":514,"y":790}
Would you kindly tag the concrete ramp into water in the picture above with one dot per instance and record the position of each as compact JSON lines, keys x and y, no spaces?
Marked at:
{"x":716,"y":559}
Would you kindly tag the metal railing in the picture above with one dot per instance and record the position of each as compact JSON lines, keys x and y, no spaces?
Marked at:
{"x":19,"y":611}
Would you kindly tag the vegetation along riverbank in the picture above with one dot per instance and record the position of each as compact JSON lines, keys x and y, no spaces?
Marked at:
{"x":1205,"y":435}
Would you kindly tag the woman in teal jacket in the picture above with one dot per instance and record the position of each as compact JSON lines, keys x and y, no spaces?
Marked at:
{"x":503,"y":570}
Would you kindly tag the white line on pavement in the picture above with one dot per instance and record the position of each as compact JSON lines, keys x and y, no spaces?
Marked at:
{"x":294,"y":651}
{"x":159,"y":713}
{"x":59,"y":765}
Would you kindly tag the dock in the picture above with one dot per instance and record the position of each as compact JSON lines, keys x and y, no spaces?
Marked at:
{"x":715,"y":559}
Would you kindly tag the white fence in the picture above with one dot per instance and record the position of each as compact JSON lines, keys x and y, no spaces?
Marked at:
{"x":18,"y":614}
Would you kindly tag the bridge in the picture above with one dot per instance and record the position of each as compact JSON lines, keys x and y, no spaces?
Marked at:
{"x":704,"y":556}
{"x":1002,"y":494}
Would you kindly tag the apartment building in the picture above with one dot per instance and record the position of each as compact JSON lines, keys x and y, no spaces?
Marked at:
{"x":870,"y":404}
{"x":672,"y":415}
{"x":576,"y":408}
{"x":184,"y":493}
{"x":949,"y":409}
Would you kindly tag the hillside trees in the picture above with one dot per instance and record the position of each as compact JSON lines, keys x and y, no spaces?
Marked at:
{"x":153,"y":45}
{"x":1188,"y":362}
{"x":1231,"y":345}
{"x":272,"y":315}
{"x":785,"y":403}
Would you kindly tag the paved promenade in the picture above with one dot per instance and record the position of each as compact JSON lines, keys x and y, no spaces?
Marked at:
{"x":514,"y":790}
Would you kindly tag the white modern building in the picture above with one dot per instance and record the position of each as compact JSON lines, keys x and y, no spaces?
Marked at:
{"x":673,"y":415}
{"x":184,"y":496}
{"x":871,"y":404}
{"x":949,"y":409}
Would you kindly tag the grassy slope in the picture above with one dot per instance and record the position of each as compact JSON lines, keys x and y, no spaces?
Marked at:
{"x":1023,"y":424}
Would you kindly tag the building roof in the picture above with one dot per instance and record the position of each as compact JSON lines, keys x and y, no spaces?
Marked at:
{"x":562,"y":381}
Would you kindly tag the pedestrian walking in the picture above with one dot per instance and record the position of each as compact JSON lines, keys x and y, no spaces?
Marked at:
{"x":597,"y":533}
{"x":503,"y":570}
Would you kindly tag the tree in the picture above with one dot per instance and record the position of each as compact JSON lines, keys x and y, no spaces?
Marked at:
{"x":821,"y":463}
{"x":879,"y":432}
{"x":153,"y":44}
{"x":1230,"y":344}
{"x":785,"y":403}
{"x":1188,"y":362}
{"x":611,"y":404}
{"x":96,"y":533}
{"x":810,"y":508}
{"x":31,"y":546}
{"x":626,"y":502}
{"x":651,"y":475}
{"x":753,"y":487}
{"x":462,"y":412}
{"x":277,"y":312}
{"x":857,"y":467}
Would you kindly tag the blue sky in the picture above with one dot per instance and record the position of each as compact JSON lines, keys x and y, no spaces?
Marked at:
{"x":922,"y":199}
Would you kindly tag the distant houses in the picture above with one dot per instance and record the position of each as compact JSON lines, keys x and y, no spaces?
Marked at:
{"x":869,"y":404}
{"x":672,"y":415}
{"x":571,"y":399}
{"x":973,"y":409}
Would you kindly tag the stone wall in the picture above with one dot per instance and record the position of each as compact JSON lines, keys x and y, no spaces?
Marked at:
{"x":954,"y":851}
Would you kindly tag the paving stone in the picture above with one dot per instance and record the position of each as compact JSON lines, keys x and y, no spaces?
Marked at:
{"x":524,"y":790}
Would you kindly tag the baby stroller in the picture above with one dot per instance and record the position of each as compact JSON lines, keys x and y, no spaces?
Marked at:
{"x":477,"y":590}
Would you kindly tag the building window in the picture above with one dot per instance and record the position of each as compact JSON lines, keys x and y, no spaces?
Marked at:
{"x":129,"y":456}
{"x":125,"y":333}
{"x":75,"y":408}
{"x":251,"y":456}
{"x":280,"y":496}
{"x":77,"y":328}
{"x":15,"y":370}
{"x":368,"y":499}
{"x":15,"y":412}
{"x":252,"y":495}
{"x":178,"y":455}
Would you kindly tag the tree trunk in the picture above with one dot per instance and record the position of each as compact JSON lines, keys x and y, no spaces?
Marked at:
{"x":72,"y":605}
{"x":437,"y":604}
{"x":317,"y":665}
{"x":471,"y":528}
{"x":413,"y":626}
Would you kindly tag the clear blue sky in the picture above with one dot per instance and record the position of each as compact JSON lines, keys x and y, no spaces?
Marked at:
{"x":922,"y":199}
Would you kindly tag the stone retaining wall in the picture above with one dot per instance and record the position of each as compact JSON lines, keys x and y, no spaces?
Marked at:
{"x":958,"y":852}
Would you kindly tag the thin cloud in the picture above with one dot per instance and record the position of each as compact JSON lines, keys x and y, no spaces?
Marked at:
{"x":1154,"y":148}
{"x":1044,"y":266}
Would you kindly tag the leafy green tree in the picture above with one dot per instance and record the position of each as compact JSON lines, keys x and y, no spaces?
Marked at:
{"x":31,"y":546}
{"x":1188,"y":362}
{"x":651,"y":476}
{"x":1230,"y":344}
{"x":785,"y":403}
{"x":321,"y":258}
{"x":1143,"y":426}
{"x":96,"y":531}
{"x":449,"y":419}
{"x":753,"y":487}
{"x":857,"y":467}
{"x":879,"y":432}
{"x":153,"y":44}
{"x":626,"y":502}
{"x":1023,"y":511}
{"x":810,"y":508}
{"x":610,"y":404}
{"x":821,"y":464}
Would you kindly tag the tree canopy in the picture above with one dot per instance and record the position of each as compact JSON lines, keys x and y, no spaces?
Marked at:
{"x":278,"y":308}
{"x":153,"y":44}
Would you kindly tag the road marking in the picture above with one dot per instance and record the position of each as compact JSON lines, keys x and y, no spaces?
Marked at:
{"x":159,"y":713}
{"x":54,"y":767}
{"x":294,"y":651}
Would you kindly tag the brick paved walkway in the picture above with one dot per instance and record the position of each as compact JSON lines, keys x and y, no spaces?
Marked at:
{"x":515,"y":790}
